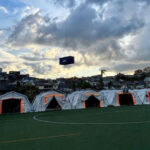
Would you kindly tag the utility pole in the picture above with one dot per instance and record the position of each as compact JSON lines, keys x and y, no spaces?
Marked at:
{"x":101,"y":77}
{"x":102,"y":72}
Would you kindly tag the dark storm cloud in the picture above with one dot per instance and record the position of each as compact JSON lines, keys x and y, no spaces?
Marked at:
{"x":147,"y":1}
{"x":120,"y":1}
{"x":28,"y":58}
{"x":39,"y":68}
{"x":66,"y":3}
{"x":21,"y":33}
{"x":128,"y":67}
{"x":97,"y":1}
{"x":4,"y":64}
{"x":80,"y":29}
{"x":36,"y":58}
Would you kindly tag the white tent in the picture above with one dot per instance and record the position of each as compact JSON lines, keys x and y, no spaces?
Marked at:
{"x":113,"y":97}
{"x":14,"y":102}
{"x":43,"y":100}
{"x":78,"y":99}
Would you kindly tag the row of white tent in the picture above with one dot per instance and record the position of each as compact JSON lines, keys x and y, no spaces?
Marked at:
{"x":75,"y":100}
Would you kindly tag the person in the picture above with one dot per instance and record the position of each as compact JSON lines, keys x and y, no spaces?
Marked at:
{"x":58,"y":107}
{"x":125,"y":89}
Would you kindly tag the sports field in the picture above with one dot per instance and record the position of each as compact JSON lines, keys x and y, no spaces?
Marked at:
{"x":114,"y":128}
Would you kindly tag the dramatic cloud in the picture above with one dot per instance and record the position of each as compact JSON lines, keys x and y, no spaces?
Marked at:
{"x":80,"y":29}
{"x":66,"y":3}
{"x":99,"y":33}
{"x":105,"y":1}
{"x":128,"y":67}
{"x":39,"y":68}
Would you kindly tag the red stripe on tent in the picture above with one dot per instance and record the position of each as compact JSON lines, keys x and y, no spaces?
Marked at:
{"x":149,"y":96}
{"x":1,"y":103}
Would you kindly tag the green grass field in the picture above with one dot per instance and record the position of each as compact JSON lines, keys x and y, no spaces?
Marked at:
{"x":115,"y":128}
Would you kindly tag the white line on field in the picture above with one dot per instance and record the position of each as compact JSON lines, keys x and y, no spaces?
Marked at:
{"x":91,"y":123}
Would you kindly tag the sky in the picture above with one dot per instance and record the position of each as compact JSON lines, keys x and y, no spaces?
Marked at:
{"x":100,"y":34}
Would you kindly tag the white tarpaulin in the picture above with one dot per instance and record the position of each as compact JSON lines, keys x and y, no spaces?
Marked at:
{"x":109,"y":97}
{"x":25,"y":105}
{"x":42,"y":101}
{"x":141,"y":96}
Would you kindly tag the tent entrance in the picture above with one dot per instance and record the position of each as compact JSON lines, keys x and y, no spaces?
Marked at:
{"x":92,"y":101}
{"x":126,"y":99}
{"x":11,"y":106}
{"x":53,"y":104}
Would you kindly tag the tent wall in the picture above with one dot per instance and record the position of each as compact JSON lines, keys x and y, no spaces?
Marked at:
{"x":109,"y":97}
{"x":140,"y":96}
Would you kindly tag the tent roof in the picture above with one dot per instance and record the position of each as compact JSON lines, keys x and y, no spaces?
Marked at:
{"x":12,"y":94}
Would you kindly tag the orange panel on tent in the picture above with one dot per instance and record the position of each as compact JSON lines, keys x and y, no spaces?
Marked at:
{"x":149,"y":96}
{"x":51,"y":95}
{"x":90,"y":94}
{"x":21,"y":106}
{"x":100,"y":104}
{"x":84,"y":105}
{"x":45,"y":100}
{"x":1,"y":102}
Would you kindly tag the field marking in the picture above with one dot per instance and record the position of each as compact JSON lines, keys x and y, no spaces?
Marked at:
{"x":39,"y":138}
{"x":91,"y":123}
{"x":117,"y":111}
{"x":13,"y":119}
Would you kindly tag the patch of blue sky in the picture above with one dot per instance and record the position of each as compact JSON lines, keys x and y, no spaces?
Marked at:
{"x":13,"y":8}
{"x":6,"y":22}
{"x":47,"y":7}
{"x":11,"y":5}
